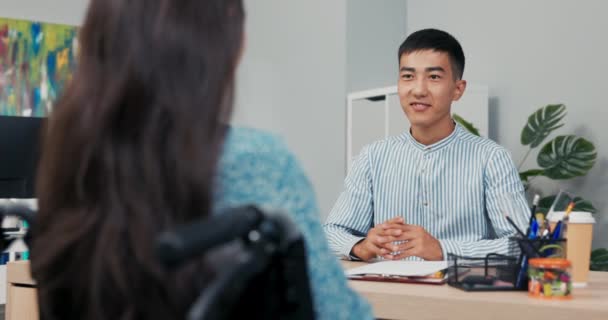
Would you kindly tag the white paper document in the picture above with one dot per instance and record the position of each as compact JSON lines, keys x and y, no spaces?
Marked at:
{"x":400,"y":268}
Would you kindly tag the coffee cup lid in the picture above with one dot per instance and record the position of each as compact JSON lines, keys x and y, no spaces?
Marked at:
{"x":574,"y":217}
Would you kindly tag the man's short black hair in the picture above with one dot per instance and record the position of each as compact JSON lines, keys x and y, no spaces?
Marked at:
{"x":436,"y":40}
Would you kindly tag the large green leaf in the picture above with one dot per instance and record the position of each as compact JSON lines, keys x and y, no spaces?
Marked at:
{"x":580,"y":204}
{"x":566,"y":157}
{"x":599,"y":260}
{"x":541,"y":123}
{"x":467,"y":125}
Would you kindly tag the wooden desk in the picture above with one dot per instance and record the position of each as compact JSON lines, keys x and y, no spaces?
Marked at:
{"x":423,"y":301}
{"x":21,"y":297}
{"x":398,"y":300}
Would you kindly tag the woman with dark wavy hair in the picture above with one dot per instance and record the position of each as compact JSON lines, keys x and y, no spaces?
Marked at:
{"x":138,"y":144}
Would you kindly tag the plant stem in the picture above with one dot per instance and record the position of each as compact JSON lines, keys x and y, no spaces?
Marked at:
{"x":521,"y":163}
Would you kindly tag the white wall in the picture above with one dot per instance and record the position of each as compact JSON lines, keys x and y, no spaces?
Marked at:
{"x":301,"y":59}
{"x":374,"y":31}
{"x":56,"y":11}
{"x":292,"y":81}
{"x":532,"y":53}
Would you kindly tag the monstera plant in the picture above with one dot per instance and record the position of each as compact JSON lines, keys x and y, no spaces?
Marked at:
{"x":599,"y":260}
{"x":564,"y":157}
{"x":561,"y":158}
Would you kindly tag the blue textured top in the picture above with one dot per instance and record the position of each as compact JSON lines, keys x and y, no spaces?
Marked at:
{"x":257,"y":168}
{"x":458,"y":189}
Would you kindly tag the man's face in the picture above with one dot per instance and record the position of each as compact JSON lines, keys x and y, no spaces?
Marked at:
{"x":427,"y":87}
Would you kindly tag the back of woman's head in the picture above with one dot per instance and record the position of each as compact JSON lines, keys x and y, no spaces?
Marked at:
{"x":131,"y":150}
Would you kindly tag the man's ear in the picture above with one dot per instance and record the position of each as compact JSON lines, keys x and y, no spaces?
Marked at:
{"x":461,"y":85}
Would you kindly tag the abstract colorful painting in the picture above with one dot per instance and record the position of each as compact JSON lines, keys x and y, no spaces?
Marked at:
{"x":36,"y":62}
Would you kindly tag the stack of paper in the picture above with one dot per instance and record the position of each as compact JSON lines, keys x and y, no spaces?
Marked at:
{"x":400,"y":268}
{"x":401,"y":271}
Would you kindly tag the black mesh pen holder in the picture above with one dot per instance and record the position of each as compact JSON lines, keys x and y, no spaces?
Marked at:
{"x":540,"y":248}
{"x":536,"y":248}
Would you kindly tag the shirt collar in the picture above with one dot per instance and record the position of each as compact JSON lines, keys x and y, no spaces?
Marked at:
{"x":407,"y":135}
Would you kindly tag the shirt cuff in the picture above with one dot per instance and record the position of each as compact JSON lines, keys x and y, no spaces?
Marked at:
{"x":348,"y":247}
{"x":449,"y":246}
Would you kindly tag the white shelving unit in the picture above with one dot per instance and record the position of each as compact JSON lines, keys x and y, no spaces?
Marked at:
{"x":376,"y":114}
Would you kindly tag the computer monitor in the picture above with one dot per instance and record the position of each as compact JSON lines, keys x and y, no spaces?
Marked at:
{"x":19,"y":151}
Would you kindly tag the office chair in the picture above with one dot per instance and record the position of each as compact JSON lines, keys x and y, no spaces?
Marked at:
{"x":268,"y":276}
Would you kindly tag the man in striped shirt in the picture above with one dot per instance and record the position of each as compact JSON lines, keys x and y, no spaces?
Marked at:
{"x":433,"y":190}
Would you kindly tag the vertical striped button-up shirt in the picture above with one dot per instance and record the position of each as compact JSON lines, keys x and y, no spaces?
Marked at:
{"x":458,"y":189}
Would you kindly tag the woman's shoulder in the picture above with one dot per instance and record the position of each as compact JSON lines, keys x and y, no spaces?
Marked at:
{"x":256,"y":166}
{"x":250,"y":143}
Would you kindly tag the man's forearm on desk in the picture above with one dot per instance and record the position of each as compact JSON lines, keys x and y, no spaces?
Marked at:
{"x":341,"y":242}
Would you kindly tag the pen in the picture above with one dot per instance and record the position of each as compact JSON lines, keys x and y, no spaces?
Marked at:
{"x":568,"y":210}
{"x":533,"y":212}
{"x":559,"y":227}
{"x":534,"y":229}
{"x":557,"y":231}
{"x":523,"y":268}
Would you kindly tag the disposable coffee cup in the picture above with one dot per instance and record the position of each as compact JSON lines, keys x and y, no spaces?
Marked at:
{"x":579,"y":234}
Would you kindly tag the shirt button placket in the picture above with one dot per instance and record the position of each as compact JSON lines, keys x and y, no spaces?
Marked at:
{"x":424,"y":199}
